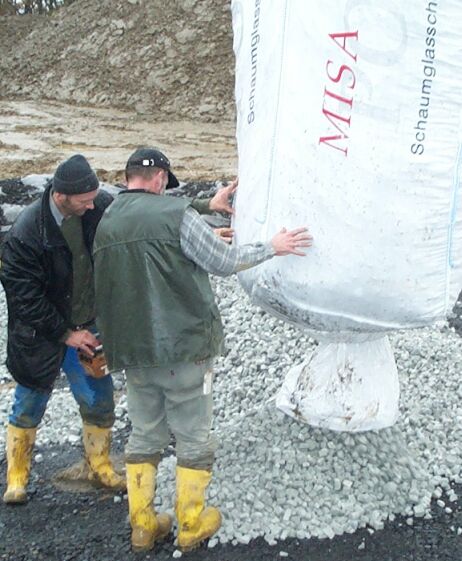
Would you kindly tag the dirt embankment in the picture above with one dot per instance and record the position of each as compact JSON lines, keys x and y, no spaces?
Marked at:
{"x":166,"y":59}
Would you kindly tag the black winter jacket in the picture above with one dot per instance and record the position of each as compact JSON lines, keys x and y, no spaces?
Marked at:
{"x":36,"y":273}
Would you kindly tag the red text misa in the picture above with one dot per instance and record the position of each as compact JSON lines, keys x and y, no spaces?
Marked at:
{"x":337,"y":108}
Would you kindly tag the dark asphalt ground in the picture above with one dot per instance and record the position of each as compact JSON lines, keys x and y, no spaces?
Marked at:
{"x":59,"y":525}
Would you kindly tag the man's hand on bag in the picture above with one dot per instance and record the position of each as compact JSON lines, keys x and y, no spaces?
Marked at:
{"x":83,"y":340}
{"x":220,"y":202}
{"x":225,"y":234}
{"x":287,"y":242}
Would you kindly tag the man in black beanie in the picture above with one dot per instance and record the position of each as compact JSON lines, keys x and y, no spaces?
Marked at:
{"x":47,"y":273}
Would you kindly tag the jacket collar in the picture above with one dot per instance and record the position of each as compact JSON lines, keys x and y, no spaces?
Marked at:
{"x":51,"y":232}
{"x":137,"y":191}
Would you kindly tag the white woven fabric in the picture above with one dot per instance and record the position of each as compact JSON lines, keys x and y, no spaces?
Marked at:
{"x":348,"y":122}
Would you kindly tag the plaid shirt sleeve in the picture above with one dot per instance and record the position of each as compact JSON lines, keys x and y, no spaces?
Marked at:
{"x":200,"y":244}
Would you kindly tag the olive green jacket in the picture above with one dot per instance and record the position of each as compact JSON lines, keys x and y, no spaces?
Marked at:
{"x":153,"y":305}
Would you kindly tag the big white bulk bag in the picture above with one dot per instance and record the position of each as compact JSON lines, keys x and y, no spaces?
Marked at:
{"x":348,"y":121}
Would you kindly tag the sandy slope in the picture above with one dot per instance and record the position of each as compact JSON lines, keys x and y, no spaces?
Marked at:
{"x":35,"y":136}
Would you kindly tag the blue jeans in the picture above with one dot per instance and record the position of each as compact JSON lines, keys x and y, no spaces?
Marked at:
{"x":95,"y":397}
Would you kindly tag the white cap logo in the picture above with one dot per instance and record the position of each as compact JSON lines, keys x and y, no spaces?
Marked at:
{"x":152,"y":162}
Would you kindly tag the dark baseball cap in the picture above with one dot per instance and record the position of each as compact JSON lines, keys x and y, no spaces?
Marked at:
{"x":150,"y":157}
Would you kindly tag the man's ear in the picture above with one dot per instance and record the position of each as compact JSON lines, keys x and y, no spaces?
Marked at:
{"x":59,"y":197}
{"x":158,"y":177}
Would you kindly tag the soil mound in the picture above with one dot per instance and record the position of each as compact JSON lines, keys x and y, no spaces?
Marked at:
{"x":171,"y":59}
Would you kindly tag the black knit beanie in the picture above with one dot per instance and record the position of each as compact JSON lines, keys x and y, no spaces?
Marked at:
{"x":75,"y":176}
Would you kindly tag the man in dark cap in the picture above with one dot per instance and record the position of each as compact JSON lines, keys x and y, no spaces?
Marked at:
{"x":47,"y":273}
{"x":159,"y":321}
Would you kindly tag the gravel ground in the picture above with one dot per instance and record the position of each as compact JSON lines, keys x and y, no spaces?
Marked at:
{"x":64,"y":526}
{"x":282,"y":486}
{"x":286,"y":490}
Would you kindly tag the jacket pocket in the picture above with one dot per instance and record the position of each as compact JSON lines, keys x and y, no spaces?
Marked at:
{"x":33,"y":360}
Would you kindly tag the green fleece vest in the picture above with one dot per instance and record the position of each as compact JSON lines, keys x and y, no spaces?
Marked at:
{"x":155,"y":307}
{"x":83,"y":295}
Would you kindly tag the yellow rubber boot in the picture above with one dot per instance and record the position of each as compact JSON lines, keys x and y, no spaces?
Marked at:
{"x":195,"y":521}
{"x":147,"y":526}
{"x":96,"y":443}
{"x":19,"y":445}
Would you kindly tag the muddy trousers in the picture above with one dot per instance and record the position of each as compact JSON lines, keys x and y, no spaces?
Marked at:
{"x":94,"y":397}
{"x":179,"y":398}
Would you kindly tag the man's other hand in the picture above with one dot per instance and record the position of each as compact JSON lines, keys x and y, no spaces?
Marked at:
{"x":83,"y":340}
{"x":220,"y":202}
{"x":225,"y":234}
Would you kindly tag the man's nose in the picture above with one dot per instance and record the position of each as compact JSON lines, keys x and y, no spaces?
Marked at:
{"x":91,"y":206}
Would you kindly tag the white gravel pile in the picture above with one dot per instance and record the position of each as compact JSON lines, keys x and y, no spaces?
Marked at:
{"x":277,"y":478}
